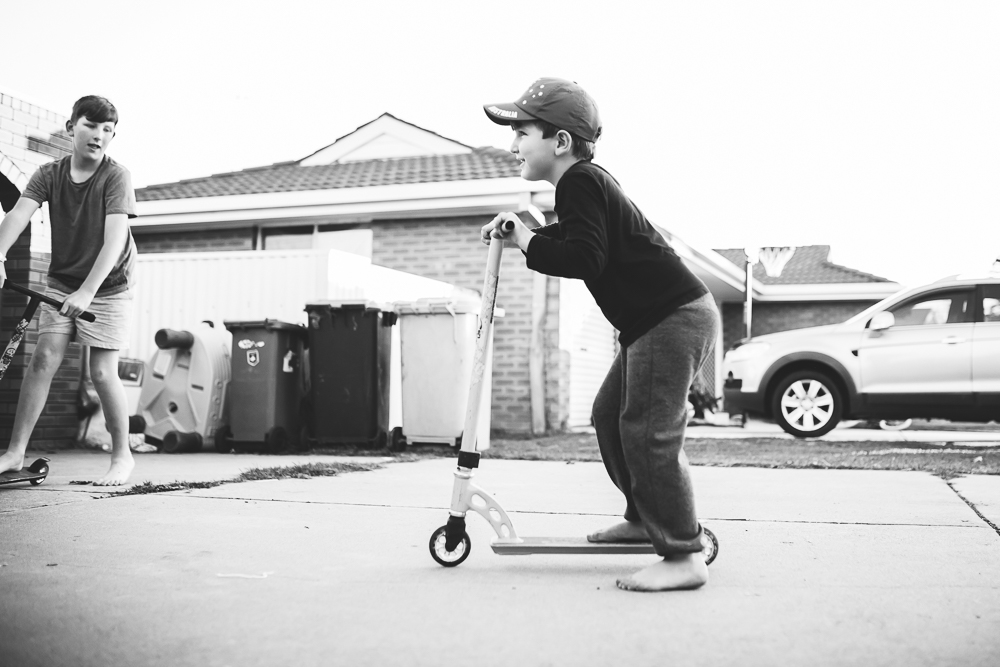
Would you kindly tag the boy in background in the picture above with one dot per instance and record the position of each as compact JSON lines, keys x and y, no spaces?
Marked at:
{"x":666,"y":318}
{"x":90,"y":199}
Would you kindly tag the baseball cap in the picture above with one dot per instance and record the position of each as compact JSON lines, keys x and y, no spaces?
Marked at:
{"x":563,"y":103}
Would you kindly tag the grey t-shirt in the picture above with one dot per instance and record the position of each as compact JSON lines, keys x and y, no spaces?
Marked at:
{"x":77,"y":212}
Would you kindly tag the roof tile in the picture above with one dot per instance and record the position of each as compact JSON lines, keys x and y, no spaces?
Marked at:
{"x":481,"y":163}
{"x":808,"y":266}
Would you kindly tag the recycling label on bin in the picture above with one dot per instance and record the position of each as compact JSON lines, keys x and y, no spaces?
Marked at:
{"x":253,"y":356}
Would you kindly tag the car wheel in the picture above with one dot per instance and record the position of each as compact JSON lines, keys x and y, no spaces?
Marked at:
{"x":807,"y":404}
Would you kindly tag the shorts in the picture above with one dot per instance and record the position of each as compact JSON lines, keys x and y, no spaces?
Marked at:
{"x":111,"y":329}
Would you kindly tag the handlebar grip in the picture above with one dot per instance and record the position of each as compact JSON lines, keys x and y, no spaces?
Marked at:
{"x":507,"y":226}
{"x":167,"y":339}
{"x":85,"y":315}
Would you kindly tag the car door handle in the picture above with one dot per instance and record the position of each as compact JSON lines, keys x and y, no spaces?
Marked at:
{"x":952,"y":340}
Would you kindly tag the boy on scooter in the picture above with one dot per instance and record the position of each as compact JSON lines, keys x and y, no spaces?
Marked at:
{"x":90,"y":199}
{"x":666,"y":318}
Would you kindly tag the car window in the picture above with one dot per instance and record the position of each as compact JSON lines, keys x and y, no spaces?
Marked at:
{"x":937,"y":308}
{"x":991,"y":303}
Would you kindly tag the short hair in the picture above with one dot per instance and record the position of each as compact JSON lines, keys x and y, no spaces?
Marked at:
{"x":582,"y":149}
{"x":96,"y":108}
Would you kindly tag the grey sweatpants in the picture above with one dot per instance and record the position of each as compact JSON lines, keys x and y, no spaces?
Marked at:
{"x":640,"y":415}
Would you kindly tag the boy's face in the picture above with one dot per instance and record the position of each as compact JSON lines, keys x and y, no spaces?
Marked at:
{"x":90,"y":138}
{"x":536,"y":155}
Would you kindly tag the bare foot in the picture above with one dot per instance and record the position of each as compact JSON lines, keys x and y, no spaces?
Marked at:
{"x":10,"y":461}
{"x":626,"y":531}
{"x":121,"y":468}
{"x":670,"y":574}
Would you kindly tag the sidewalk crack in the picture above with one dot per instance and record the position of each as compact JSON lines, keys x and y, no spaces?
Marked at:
{"x":973,"y":507}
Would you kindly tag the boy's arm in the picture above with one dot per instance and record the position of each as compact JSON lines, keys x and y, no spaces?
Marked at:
{"x":12,"y":226}
{"x":582,"y":250}
{"x":115,"y":237}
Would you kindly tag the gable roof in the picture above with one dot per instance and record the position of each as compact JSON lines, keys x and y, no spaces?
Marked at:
{"x":809,"y":265}
{"x":386,"y":151}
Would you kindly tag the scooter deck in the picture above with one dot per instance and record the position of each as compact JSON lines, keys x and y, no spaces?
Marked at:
{"x":35,"y":473}
{"x":568,"y":545}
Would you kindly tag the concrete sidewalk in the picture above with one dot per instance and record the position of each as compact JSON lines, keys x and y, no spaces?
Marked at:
{"x":816,"y":567}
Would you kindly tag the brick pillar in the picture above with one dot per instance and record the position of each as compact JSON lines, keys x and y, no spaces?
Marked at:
{"x":57,"y":425}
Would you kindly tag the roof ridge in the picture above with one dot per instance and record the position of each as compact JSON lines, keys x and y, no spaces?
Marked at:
{"x":379,"y":117}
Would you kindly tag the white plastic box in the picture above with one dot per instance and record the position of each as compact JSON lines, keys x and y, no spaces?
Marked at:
{"x":183,"y":397}
{"x":437,"y":348}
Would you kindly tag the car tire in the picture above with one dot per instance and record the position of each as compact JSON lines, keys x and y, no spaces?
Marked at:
{"x":807,"y":404}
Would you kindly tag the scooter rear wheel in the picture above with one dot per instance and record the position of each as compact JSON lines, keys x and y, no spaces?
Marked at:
{"x":710,"y":545}
{"x":449,"y":558}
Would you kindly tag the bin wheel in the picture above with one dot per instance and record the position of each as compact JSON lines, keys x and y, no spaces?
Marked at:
{"x":175,"y":442}
{"x":276,"y":439}
{"x":710,"y":545}
{"x":397,"y":442}
{"x":223,"y":439}
{"x":305,"y":442}
{"x":445,"y":557}
{"x":381,"y":440}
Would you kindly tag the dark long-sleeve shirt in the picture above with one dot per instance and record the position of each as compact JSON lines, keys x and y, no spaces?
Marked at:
{"x":602,"y":238}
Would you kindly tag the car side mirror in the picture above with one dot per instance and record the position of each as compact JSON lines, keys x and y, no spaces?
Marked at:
{"x":882,"y":321}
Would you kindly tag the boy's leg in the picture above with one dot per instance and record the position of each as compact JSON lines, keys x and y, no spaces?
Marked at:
{"x":661,"y":368}
{"x":44,"y":363}
{"x":607,"y":414}
{"x":104,"y":373}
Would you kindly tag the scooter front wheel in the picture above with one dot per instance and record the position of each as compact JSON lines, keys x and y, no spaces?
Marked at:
{"x":710,"y":545}
{"x":440,"y":553}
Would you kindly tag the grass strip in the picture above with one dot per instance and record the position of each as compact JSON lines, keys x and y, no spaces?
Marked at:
{"x":300,"y":471}
{"x":945,"y":459}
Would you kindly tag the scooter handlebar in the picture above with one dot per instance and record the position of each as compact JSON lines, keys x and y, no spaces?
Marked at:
{"x":14,"y":287}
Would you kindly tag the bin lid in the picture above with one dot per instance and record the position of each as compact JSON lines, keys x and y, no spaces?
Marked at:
{"x":348,"y":304}
{"x":451,"y":305}
{"x":269,"y":325}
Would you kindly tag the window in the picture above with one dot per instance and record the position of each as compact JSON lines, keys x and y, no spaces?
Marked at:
{"x":991,"y":303}
{"x":936,"y":308}
{"x":287,"y":238}
{"x":324,"y":237}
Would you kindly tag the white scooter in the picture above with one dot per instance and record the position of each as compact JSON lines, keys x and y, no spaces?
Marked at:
{"x":450,"y":544}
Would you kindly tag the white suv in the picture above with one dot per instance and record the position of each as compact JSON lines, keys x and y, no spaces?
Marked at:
{"x":930,"y":352}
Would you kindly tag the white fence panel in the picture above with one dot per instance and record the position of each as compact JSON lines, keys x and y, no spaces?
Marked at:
{"x":590,"y":340}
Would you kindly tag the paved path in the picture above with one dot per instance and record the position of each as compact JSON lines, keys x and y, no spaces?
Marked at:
{"x":816,"y":567}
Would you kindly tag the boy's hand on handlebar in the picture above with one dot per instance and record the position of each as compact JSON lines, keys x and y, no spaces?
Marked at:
{"x":3,"y":274}
{"x":518,"y":237}
{"x":76,"y":303}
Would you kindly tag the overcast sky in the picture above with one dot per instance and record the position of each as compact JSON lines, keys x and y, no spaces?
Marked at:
{"x":872,"y":127}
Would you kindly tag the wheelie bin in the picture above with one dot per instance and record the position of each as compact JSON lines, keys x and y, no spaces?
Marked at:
{"x":349,"y":355}
{"x":437,"y":349}
{"x":266,"y":388}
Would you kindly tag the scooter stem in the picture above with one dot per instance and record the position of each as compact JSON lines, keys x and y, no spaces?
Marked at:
{"x":484,"y":339}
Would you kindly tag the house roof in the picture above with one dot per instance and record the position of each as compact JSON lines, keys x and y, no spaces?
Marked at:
{"x":479,"y":163}
{"x":385,"y":151}
{"x":809,"y":265}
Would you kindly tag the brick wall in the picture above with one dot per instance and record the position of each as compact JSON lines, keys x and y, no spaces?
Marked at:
{"x":785,"y":316}
{"x":29,"y":137}
{"x":194,"y":241}
{"x":449,"y":250}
